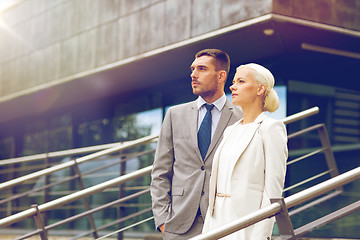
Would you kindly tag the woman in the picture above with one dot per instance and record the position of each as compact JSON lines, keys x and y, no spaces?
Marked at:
{"x":250,"y":164}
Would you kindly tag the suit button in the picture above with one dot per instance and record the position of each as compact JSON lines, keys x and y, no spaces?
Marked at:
{"x":202,"y":192}
{"x":203,"y":168}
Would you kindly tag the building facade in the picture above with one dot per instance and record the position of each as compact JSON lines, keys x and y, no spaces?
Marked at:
{"x":77,"y":73}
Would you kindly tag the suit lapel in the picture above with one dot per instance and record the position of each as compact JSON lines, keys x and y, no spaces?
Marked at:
{"x":223,"y":123}
{"x":193,"y":115}
{"x":247,"y":137}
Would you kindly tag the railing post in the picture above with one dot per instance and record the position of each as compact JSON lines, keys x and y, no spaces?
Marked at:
{"x":9,"y":204}
{"x":121,"y":209}
{"x":39,"y":223}
{"x":329,"y":155}
{"x":86,"y":202}
{"x":47,"y":190}
{"x":283,"y":221}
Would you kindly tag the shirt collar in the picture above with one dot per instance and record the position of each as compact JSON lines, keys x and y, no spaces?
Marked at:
{"x":219,"y":104}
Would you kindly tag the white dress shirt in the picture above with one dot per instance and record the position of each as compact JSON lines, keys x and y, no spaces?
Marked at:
{"x":215,"y":112}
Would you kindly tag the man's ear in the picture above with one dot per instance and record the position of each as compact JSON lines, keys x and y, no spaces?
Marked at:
{"x":222,"y":76}
{"x":261,"y":89}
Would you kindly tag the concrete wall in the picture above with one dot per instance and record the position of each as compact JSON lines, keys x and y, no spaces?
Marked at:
{"x":45,"y":40}
{"x":340,"y":13}
{"x":42,"y":41}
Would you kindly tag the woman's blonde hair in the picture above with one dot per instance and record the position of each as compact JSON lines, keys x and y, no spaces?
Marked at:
{"x":265,"y":77}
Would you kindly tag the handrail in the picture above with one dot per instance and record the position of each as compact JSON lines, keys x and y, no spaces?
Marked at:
{"x":301,"y":115}
{"x":274,"y":208}
{"x":62,"y":153}
{"x":74,"y":196}
{"x":125,"y":228}
{"x":121,"y":146}
{"x":322,"y":188}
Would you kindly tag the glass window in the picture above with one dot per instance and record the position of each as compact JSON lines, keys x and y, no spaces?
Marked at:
{"x":7,"y":146}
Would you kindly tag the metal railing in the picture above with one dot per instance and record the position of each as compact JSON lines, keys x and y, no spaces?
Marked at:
{"x":119,"y":147}
{"x":64,"y":153}
{"x":74,"y":196}
{"x":330,"y":161}
{"x":123,"y":158}
{"x":278,"y":207}
{"x":38,"y":209}
{"x":301,"y":115}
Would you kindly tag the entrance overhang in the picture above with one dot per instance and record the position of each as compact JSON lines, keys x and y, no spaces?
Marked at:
{"x":270,"y":36}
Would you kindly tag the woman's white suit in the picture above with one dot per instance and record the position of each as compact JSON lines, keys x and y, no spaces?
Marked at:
{"x":255,"y":164}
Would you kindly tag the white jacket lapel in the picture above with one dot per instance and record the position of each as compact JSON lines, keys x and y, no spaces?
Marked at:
{"x":247,"y":137}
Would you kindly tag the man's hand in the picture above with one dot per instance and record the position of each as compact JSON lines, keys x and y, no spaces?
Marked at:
{"x":162,"y":228}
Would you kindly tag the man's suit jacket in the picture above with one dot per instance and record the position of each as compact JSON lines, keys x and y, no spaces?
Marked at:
{"x":180,"y":178}
{"x":257,"y":175}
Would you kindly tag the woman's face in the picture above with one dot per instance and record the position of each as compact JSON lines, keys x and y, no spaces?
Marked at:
{"x":245,"y":88}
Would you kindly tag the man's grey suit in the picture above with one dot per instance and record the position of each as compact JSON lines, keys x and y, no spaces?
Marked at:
{"x":180,"y":178}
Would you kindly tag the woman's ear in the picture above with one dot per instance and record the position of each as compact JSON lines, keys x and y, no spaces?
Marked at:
{"x":261,"y":89}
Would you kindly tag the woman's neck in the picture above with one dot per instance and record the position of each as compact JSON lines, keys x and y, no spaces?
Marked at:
{"x":250,"y":114}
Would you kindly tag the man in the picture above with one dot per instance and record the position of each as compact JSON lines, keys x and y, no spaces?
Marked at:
{"x":182,"y":164}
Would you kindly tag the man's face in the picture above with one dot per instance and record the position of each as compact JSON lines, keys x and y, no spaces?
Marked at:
{"x":204,"y":77}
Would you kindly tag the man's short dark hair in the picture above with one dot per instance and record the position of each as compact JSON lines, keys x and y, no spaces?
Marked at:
{"x":222,"y":59}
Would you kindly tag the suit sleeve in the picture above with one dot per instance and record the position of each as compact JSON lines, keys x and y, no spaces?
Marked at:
{"x":275,"y":152}
{"x":161,"y":174}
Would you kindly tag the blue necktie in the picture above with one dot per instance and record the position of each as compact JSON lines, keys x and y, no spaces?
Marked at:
{"x":204,"y":133}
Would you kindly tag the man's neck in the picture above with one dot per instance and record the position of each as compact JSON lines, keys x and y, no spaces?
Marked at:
{"x":213,"y":98}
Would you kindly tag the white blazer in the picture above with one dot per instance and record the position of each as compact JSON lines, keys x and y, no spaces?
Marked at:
{"x":259,"y":173}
